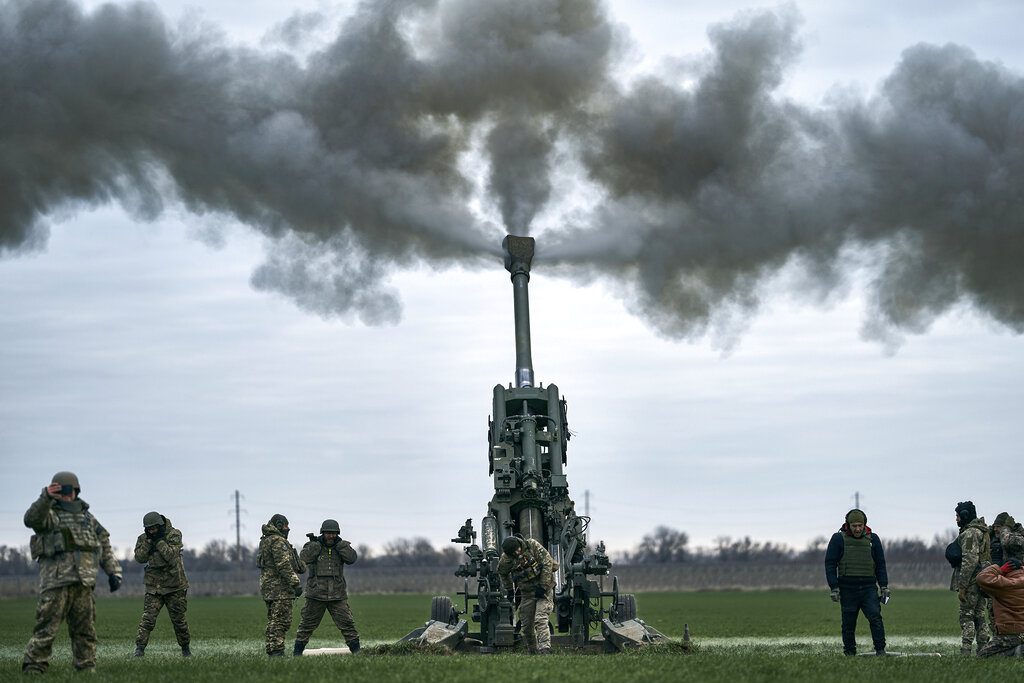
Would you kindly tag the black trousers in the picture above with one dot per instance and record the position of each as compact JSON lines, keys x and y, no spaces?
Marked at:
{"x":855,"y":599}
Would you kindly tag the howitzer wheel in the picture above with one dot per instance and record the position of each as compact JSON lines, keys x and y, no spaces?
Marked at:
{"x":626,"y":607}
{"x":441,"y":609}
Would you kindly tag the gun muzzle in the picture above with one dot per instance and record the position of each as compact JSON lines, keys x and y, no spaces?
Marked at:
{"x":518,"y":257}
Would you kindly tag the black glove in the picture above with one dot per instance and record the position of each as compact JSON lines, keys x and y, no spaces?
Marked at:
{"x":539,"y":592}
{"x":298,"y":590}
{"x":115,"y":582}
{"x":510,"y":596}
{"x":835,"y":595}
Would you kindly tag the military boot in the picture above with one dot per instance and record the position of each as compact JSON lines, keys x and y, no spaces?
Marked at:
{"x":353,"y":645}
{"x":140,"y":650}
{"x":276,"y":653}
{"x":299,"y":647}
{"x":186,"y":651}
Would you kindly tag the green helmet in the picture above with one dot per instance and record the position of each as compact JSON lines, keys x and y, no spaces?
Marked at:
{"x":511,"y":544}
{"x":330,"y":526}
{"x":67,"y":479}
{"x":152,"y":519}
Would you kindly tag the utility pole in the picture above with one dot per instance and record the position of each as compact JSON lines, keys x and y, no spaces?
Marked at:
{"x":238,"y":527}
{"x":856,"y":499}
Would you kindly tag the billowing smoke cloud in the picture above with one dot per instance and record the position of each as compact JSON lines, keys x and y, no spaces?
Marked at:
{"x":352,"y":160}
{"x":354,"y":153}
{"x":714,"y":188}
{"x":520,"y":172}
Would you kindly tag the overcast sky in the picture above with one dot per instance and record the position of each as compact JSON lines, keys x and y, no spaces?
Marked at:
{"x":140,"y":350}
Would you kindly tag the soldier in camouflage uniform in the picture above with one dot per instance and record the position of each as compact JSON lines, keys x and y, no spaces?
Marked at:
{"x":1003,"y":526}
{"x":159,"y":548}
{"x":1010,"y":535}
{"x":527,"y":567}
{"x":975,"y":554}
{"x":326,"y":589}
{"x":280,"y":567}
{"x":70,"y":546}
{"x":1005,"y":584}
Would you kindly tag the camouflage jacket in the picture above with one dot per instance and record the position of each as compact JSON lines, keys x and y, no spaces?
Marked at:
{"x":327,"y":568}
{"x":165,"y":572}
{"x":975,"y":544}
{"x":69,"y":543}
{"x":279,"y":565}
{"x":1013,"y":542}
{"x":534,"y":567}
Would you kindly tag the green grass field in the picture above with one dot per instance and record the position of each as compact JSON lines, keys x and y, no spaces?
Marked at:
{"x":778,"y":635}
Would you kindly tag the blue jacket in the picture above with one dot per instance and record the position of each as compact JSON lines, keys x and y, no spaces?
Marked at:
{"x":834,"y":553}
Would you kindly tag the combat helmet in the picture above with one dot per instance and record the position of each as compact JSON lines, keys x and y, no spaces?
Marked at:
{"x":330,"y":526}
{"x":67,"y":479}
{"x":511,"y":544}
{"x":966,"y":512}
{"x":152,"y":519}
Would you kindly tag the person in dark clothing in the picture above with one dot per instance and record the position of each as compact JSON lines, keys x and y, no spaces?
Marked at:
{"x":855,"y":571}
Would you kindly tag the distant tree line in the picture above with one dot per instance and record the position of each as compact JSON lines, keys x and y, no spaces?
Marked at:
{"x":664,"y":545}
{"x":224,"y":556}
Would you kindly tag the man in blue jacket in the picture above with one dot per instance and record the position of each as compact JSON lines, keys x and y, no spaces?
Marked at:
{"x":854,"y":566}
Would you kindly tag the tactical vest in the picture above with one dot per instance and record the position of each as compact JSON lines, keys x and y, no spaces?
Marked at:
{"x":329,"y":563}
{"x":857,"y":559}
{"x":75,"y":531}
{"x":997,"y":550}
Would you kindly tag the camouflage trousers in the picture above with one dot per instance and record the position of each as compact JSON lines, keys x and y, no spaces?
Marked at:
{"x":1003,"y":645}
{"x":177,"y":603}
{"x":279,"y":621}
{"x":74,"y":603}
{"x":313,"y":614}
{"x":974,"y":619}
{"x":534,"y":614}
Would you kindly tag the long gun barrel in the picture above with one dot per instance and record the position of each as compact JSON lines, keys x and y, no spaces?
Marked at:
{"x":518,"y":257}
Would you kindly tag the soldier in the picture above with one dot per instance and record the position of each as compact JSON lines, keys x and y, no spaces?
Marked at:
{"x":975,"y":554}
{"x":159,"y":548}
{"x":280,"y":567}
{"x":525,"y":566}
{"x":70,"y":545}
{"x":1003,"y":526}
{"x":326,"y":590}
{"x":854,"y":564}
{"x":1005,"y":584}
{"x":1010,"y":535}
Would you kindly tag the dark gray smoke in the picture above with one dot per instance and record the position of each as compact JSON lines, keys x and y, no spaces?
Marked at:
{"x":353,"y":161}
{"x":713,"y":189}
{"x":352,"y":156}
{"x":520,"y":171}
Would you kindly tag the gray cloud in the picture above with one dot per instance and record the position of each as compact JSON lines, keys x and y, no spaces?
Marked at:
{"x":350,"y":160}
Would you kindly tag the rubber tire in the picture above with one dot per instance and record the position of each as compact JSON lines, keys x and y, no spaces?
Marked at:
{"x":628,"y":609}
{"x":441,"y":609}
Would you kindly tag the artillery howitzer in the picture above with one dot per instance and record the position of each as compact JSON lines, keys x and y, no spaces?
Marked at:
{"x":527,"y":439}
